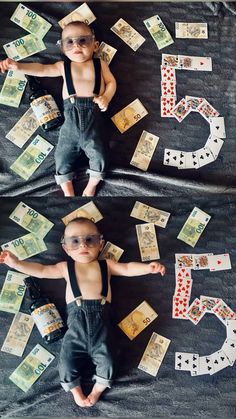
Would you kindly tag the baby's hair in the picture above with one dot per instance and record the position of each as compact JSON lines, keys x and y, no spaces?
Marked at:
{"x":80,"y":23}
{"x":82,"y":220}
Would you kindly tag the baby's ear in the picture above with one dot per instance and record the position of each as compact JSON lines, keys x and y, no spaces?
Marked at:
{"x":65,"y":249}
{"x":96,"y":46}
{"x":102,"y":242}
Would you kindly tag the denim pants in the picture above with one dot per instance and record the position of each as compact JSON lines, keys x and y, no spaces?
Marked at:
{"x":83,"y":129}
{"x":87,"y":337}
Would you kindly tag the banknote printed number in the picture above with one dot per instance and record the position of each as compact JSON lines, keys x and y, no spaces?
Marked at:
{"x":40,"y":369}
{"x":137,"y":117}
{"x":21,"y":290}
{"x":32,"y":213}
{"x":40,"y":158}
{"x":18,"y":242}
{"x":19,"y":42}
{"x":146,"y":321}
{"x":200,"y":228}
{"x":21,"y":85}
{"x":31,"y":14}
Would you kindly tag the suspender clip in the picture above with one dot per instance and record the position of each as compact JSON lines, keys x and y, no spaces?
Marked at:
{"x":72,"y":99}
{"x":103,"y":301}
{"x":78,"y":301}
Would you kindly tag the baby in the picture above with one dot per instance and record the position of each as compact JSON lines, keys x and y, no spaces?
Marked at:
{"x":88,"y":297}
{"x":87,"y":90}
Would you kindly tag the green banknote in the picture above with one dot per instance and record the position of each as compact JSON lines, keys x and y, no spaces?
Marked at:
{"x":33,"y":156}
{"x":194,"y":226}
{"x":31,"y":367}
{"x":158,"y":31}
{"x":13,"y":88}
{"x":24,"y":47}
{"x":26,"y":246}
{"x":13,"y":292}
{"x":30,"y":21}
{"x":31,"y":220}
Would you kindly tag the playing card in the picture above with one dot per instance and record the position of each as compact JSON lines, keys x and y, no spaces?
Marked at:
{"x":208,"y":303}
{"x":214,"y":144}
{"x":191,"y":160}
{"x":194,"y":312}
{"x":206,"y":110}
{"x":204,"y":156}
{"x":171,"y":156}
{"x":201,"y":261}
{"x":181,"y":110}
{"x":219,"y":262}
{"x":167,"y":73}
{"x":181,"y":160}
{"x":231,"y":329}
{"x":223,"y":312}
{"x":187,"y":62}
{"x":194,"y":102}
{"x":168,"y":88}
{"x":170,"y":60}
{"x":217,"y":126}
{"x":182,"y":272}
{"x":179,"y":308}
{"x":219,"y":361}
{"x":184,"y":260}
{"x":229,"y":348}
{"x":185,"y":361}
{"x":183,"y":287}
{"x":167,"y":105}
{"x":205,"y":365}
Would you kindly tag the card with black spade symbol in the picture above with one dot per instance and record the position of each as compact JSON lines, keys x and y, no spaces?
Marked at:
{"x":231,"y":329}
{"x":219,"y":361}
{"x":217,"y":126}
{"x":185,"y":361}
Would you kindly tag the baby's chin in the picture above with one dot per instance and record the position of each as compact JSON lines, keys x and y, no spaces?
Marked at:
{"x":79,"y":58}
{"x":85,"y":258}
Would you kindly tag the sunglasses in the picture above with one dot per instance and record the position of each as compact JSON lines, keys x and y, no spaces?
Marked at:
{"x":74,"y":242}
{"x":83,"y":41}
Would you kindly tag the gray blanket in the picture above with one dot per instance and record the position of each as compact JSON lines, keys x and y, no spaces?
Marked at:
{"x":138,"y":76}
{"x":134,"y":394}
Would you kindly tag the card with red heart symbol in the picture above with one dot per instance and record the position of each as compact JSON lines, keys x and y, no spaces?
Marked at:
{"x":187,"y":62}
{"x":167,"y":104}
{"x":181,"y":110}
{"x":167,"y":73}
{"x":179,"y":307}
{"x":195,"y":313}
{"x":194,"y":102}
{"x":182,"y":272}
{"x":168,"y":88}
{"x":223,"y":312}
{"x":184,"y":260}
{"x":219,"y":262}
{"x":183,"y":287}
{"x":207,"y":110}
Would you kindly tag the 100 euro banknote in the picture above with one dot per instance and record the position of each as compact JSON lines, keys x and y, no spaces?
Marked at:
{"x":23,"y":129}
{"x":147,"y":241}
{"x":33,"y":156}
{"x":24,"y":47}
{"x":13,"y":88}
{"x":154,"y":354}
{"x":144,"y":150}
{"x":25,"y":246}
{"x":138,"y":320}
{"x":194,"y":226}
{"x":31,"y":367}
{"x":30,"y":21}
{"x":128,"y":116}
{"x":31,"y":220}
{"x":82,"y":13}
{"x":158,"y":31}
{"x":88,"y":210}
{"x":18,"y":334}
{"x":12,"y":292}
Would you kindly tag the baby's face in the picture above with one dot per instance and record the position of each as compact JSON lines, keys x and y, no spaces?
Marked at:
{"x":82,"y":242}
{"x":78,"y":43}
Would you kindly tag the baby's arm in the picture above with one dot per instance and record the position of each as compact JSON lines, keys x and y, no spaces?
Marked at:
{"x":135,"y":268}
{"x":110,"y":87}
{"x":31,"y":268}
{"x":33,"y":69}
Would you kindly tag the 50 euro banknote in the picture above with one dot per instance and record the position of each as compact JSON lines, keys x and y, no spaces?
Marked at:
{"x":31,"y":220}
{"x":144,"y":150}
{"x":24,"y":47}
{"x":154,"y":354}
{"x":30,"y":21}
{"x":18,"y":334}
{"x":31,"y":368}
{"x":194,"y":226}
{"x":129,"y":116}
{"x":12,"y":292}
{"x":25,"y":246}
{"x":32,"y":157}
{"x":13,"y":88}
{"x":147,"y":241}
{"x":138,"y":320}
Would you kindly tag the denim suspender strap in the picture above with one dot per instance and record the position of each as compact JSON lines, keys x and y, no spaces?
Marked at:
{"x":97,"y":69}
{"x":104,"y":275}
{"x":72,"y":278}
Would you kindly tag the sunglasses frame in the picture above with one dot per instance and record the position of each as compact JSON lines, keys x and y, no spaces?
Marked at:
{"x":98,"y":236}
{"x":60,"y":41}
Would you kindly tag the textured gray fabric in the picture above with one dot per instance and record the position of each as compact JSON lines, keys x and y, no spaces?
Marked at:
{"x":138,"y":75}
{"x":135,"y":393}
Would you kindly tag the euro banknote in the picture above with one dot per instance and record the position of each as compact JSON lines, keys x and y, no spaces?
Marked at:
{"x":30,"y":21}
{"x":12,"y":292}
{"x":24,"y":47}
{"x":194,"y":226}
{"x":82,"y":13}
{"x":88,"y":210}
{"x":25,"y":246}
{"x":13,"y":88}
{"x":138,"y":320}
{"x":158,"y":31}
{"x":129,"y":115}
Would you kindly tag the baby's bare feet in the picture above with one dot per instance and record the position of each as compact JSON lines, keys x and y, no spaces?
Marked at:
{"x":80,"y":398}
{"x":96,"y":392}
{"x":90,"y":189}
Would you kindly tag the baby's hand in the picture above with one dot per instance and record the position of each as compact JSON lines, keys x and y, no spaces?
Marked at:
{"x":8,"y":64}
{"x":102,"y":102}
{"x":157,"y":268}
{"x":8,"y":258}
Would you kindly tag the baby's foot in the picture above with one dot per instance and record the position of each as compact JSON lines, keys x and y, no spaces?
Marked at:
{"x":90,"y":190}
{"x":80,"y":398}
{"x":95,"y":394}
